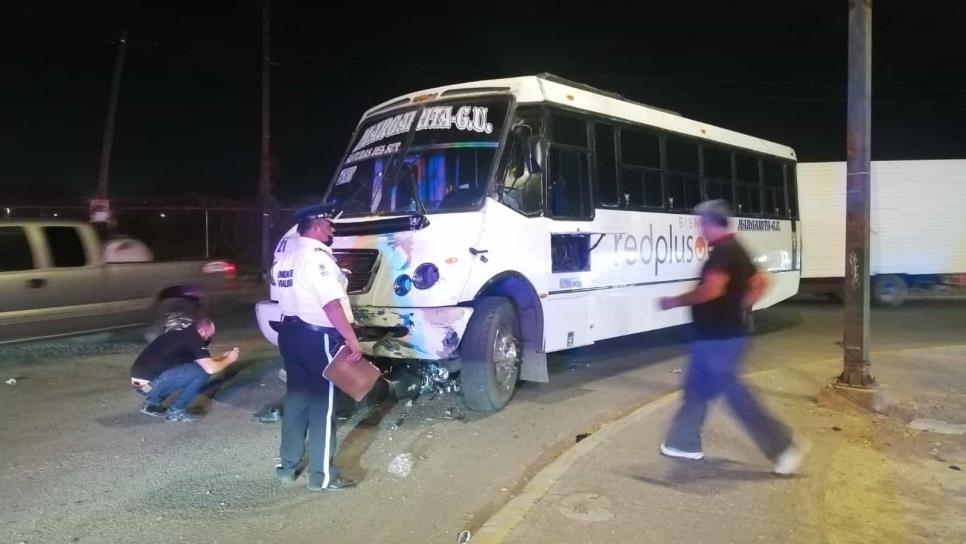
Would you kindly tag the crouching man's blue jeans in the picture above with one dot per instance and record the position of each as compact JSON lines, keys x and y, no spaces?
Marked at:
{"x":188,"y":378}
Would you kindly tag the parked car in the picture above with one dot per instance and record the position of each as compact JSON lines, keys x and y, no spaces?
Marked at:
{"x":54,"y":281}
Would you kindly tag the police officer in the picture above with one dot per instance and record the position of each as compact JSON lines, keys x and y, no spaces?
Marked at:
{"x":316,"y":323}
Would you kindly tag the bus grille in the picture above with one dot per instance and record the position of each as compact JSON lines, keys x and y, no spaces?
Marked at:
{"x":361,"y":265}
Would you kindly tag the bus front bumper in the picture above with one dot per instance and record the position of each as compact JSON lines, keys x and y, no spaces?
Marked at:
{"x":428,"y":334}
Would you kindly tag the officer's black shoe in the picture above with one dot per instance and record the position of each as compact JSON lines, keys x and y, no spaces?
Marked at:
{"x":335,"y":484}
{"x":286,"y":476}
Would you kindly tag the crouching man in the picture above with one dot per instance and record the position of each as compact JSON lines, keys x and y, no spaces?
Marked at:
{"x":177,"y":361}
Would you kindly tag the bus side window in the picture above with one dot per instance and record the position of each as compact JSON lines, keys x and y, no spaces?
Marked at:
{"x":605,"y":158}
{"x":522,"y":185}
{"x":568,"y":183}
{"x":569,"y":194}
{"x":773,"y":188}
{"x":569,"y":130}
{"x":683,"y":188}
{"x":748,"y":184}
{"x":641,"y":169}
{"x":717,"y":175}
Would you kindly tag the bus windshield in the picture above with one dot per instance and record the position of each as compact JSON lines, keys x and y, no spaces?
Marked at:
{"x":434,"y":158}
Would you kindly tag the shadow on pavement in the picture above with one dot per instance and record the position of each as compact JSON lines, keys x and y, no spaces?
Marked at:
{"x":608,"y":358}
{"x":776,"y":320}
{"x":692,"y":477}
{"x":357,"y":442}
{"x":130,"y":417}
{"x":238,"y":378}
{"x":569,"y":369}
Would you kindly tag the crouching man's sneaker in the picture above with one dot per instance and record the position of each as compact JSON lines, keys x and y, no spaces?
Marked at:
{"x":680,"y":454}
{"x":180,"y":416}
{"x":152,"y":410}
{"x":790,"y":460}
{"x":335,"y":484}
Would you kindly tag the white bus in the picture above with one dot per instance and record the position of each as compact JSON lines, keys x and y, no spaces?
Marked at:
{"x":487,"y":224}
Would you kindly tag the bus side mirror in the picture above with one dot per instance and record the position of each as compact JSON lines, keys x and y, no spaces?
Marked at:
{"x":534,"y":154}
{"x":528,"y":149}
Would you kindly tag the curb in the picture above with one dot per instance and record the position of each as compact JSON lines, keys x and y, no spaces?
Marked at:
{"x":496,"y":529}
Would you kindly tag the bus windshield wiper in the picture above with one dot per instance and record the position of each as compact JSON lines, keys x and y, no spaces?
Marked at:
{"x":409,"y":171}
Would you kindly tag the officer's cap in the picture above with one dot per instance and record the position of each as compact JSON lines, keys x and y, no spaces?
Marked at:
{"x":317,"y":211}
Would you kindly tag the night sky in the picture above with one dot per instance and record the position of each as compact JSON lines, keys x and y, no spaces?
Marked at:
{"x":188,"y":116}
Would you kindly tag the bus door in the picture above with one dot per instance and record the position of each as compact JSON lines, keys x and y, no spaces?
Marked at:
{"x":570,"y":208}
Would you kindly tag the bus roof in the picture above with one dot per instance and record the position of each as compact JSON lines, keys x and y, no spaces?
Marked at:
{"x":548,"y":88}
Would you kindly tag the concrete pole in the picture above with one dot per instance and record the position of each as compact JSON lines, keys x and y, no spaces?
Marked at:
{"x":857,"y":371}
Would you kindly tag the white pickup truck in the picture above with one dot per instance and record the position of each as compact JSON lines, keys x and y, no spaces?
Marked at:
{"x":54,"y":281}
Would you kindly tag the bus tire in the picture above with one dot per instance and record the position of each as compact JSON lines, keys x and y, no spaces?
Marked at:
{"x":490,"y":355}
{"x":889,"y":290}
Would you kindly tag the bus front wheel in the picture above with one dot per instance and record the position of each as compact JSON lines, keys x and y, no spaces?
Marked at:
{"x":491,"y":354}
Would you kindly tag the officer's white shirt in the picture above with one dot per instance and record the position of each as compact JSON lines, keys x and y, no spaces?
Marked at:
{"x":307,"y":278}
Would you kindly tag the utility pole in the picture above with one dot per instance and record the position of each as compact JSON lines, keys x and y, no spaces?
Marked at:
{"x":108,"y":142}
{"x":264,"y":177}
{"x":857,"y":371}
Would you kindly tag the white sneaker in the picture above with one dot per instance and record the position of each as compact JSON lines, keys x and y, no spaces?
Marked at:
{"x":790,"y":460}
{"x":672,"y":452}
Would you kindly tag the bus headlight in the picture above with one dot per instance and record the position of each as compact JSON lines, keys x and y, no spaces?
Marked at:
{"x":402,"y":285}
{"x":425,"y":276}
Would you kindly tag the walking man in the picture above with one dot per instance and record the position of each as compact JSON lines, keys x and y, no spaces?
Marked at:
{"x":177,"y":361}
{"x":316,"y":322}
{"x":729,"y":287}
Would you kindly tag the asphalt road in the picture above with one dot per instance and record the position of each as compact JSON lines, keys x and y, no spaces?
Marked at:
{"x":80,"y":464}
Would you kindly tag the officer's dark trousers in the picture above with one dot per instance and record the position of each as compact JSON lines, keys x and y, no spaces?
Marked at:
{"x":309,"y":404}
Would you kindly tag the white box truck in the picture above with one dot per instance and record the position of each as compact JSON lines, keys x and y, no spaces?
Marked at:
{"x":918,"y":229}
